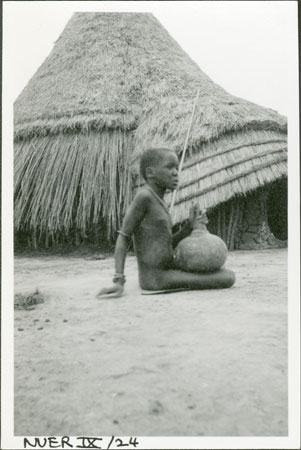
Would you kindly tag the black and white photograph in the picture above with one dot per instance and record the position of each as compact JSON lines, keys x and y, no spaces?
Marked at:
{"x":150,"y":225}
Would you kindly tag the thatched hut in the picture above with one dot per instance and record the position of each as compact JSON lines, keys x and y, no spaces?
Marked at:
{"x":114,"y":84}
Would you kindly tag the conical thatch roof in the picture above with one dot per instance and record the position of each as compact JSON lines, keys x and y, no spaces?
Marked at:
{"x":114,"y":84}
{"x":102,"y":70}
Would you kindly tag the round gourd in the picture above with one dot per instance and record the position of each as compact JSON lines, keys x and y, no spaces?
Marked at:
{"x":201,"y":252}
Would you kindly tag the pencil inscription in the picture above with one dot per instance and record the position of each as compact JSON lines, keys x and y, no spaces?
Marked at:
{"x":80,"y":442}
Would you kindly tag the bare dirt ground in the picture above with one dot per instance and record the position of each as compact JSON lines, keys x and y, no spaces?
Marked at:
{"x":196,"y":363}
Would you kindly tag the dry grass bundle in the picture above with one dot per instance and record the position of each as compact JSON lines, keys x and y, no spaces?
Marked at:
{"x":28,"y":302}
{"x":70,"y":181}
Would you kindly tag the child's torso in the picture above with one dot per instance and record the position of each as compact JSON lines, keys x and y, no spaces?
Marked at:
{"x":153,"y":237}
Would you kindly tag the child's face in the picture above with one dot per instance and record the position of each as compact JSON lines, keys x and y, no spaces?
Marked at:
{"x":165,"y":173}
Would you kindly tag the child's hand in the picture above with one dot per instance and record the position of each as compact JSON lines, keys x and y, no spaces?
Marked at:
{"x":202,"y":217}
{"x":196,"y":216}
{"x":193,"y":214}
{"x":117,"y":291}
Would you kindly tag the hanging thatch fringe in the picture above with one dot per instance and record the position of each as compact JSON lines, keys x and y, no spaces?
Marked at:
{"x":72,"y":181}
{"x":225,"y":219}
{"x":235,"y":214}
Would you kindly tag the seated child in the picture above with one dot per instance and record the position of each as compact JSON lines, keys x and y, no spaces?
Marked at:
{"x":149,"y":222}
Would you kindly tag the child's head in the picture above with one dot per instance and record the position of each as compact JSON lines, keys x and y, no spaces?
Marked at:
{"x":160,"y":164}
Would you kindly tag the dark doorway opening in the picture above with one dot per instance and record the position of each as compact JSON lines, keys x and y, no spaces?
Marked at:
{"x":277,"y":208}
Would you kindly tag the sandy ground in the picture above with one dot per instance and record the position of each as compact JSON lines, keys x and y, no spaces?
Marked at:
{"x":197,"y":363}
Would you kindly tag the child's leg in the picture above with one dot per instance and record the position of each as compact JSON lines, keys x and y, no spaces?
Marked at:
{"x":175,"y":279}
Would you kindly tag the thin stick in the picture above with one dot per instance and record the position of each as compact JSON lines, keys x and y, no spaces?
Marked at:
{"x":224,"y":225}
{"x":235,"y":223}
{"x":219,"y":220}
{"x":230,"y":225}
{"x":184,"y":150}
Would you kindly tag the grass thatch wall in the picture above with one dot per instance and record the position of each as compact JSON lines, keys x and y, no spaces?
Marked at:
{"x":245,"y":222}
{"x":71,"y":182}
{"x":113,"y":85}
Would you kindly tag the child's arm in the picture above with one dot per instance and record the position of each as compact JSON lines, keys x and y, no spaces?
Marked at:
{"x":119,"y":279}
{"x":195,"y":216}
{"x":181,"y":234}
{"x":133,"y":217}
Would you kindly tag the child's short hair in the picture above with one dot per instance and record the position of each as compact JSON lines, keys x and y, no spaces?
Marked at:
{"x":151,"y":157}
